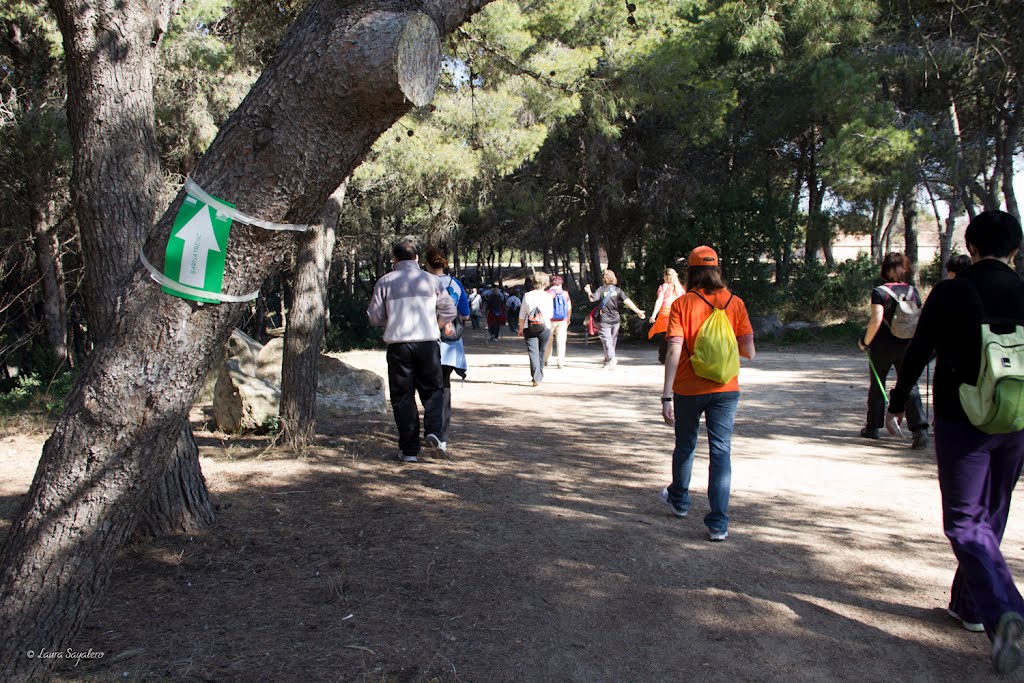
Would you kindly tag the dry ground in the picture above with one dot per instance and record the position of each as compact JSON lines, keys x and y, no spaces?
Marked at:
{"x":540,"y":551}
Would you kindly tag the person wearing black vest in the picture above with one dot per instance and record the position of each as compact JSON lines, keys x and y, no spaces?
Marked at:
{"x":886,"y":350}
{"x":977,"y":471}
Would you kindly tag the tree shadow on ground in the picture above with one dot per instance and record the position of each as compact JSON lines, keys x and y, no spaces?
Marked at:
{"x":536,"y":554}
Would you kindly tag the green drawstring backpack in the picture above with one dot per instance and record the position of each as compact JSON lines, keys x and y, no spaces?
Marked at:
{"x":995,"y":403}
{"x":716,"y":354}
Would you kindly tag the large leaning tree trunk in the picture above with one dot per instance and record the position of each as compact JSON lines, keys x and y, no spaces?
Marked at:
{"x":344,"y":73}
{"x":116,"y":184}
{"x":304,"y":335}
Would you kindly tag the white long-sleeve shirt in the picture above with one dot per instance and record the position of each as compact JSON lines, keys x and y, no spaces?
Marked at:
{"x":408,"y":302}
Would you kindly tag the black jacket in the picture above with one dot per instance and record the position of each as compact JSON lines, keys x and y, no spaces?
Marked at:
{"x":950,"y":327}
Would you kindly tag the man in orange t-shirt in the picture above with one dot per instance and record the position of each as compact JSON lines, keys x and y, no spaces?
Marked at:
{"x":686,"y":396}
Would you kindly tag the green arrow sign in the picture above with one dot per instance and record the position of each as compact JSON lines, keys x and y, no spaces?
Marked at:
{"x":195,"y":253}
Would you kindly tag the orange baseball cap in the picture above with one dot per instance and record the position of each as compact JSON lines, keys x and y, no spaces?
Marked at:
{"x":702,"y":256}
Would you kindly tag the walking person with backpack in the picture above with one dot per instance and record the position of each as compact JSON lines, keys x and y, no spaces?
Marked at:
{"x":512,"y":305}
{"x":609,"y":298}
{"x":708,"y":331}
{"x":453,"y":352}
{"x":561,"y":313}
{"x":895,"y":310}
{"x":475,"y":302}
{"x":412,"y":307}
{"x":974,"y":325}
{"x":495,"y":313}
{"x":535,"y":324}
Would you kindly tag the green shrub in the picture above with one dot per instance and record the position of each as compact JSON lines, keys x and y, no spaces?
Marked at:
{"x":31,"y":395}
{"x":814,"y":294}
{"x":20,"y":398}
{"x":350,"y":327}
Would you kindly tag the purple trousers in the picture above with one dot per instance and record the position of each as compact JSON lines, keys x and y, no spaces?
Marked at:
{"x":977,"y":473}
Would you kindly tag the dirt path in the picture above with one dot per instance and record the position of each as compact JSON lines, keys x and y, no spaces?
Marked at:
{"x":540,"y":552}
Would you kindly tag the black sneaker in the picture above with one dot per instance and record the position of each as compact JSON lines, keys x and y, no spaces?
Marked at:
{"x":869,"y":433}
{"x":1006,"y":643}
{"x":676,"y":510}
{"x":920,"y":440}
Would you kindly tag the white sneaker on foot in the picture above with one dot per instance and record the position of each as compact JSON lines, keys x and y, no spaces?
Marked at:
{"x":972,"y":626}
{"x":676,"y":510}
{"x":439,"y":447}
{"x":718,"y":535}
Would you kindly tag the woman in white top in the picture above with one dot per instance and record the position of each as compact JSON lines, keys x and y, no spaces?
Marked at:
{"x":535,"y":323}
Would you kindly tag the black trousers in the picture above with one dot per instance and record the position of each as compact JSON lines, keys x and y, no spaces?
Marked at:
{"x":884,"y":356}
{"x":415,"y":367}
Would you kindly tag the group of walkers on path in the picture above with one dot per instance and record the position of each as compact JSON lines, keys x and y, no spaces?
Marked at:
{"x":707,"y":329}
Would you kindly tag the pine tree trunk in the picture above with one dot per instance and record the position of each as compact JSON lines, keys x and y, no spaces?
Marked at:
{"x":581,"y":251}
{"x":113,"y":99}
{"x":910,"y":229}
{"x":305,"y":332}
{"x":302,"y":128}
{"x":180,"y":502}
{"x":51,"y":275}
{"x":594,"y":242}
{"x":34,"y":149}
{"x":615,"y":252}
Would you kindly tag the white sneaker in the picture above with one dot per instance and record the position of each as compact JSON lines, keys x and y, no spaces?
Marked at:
{"x":972,"y":626}
{"x":671,"y":506}
{"x":439,"y":447}
{"x":718,"y":535}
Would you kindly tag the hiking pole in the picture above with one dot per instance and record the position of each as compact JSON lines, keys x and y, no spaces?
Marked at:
{"x":927,"y":386}
{"x":874,"y":372}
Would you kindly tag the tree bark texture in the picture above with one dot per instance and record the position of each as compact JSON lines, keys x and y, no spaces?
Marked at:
{"x":344,"y":73}
{"x":111,"y":56}
{"x":51,"y":274}
{"x":111,"y":62}
{"x":910,"y":229}
{"x":180,"y":501}
{"x":594,"y":242}
{"x":305,"y":332}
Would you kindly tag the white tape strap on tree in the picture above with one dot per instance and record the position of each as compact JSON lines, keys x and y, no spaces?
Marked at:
{"x":178,"y":287}
{"x":195,"y":191}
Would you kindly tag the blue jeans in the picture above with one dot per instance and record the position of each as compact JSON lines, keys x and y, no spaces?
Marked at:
{"x":719,"y":414}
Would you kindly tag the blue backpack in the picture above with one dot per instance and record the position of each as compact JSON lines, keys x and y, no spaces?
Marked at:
{"x":560,"y":308}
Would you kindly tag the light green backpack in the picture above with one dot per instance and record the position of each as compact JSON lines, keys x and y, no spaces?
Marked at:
{"x":995,"y":403}
{"x":716,"y":353}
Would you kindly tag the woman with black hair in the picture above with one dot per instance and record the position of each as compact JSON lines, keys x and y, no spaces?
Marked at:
{"x":886,"y":350}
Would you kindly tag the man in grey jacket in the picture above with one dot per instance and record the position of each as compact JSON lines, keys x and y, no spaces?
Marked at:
{"x":411,"y":305}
